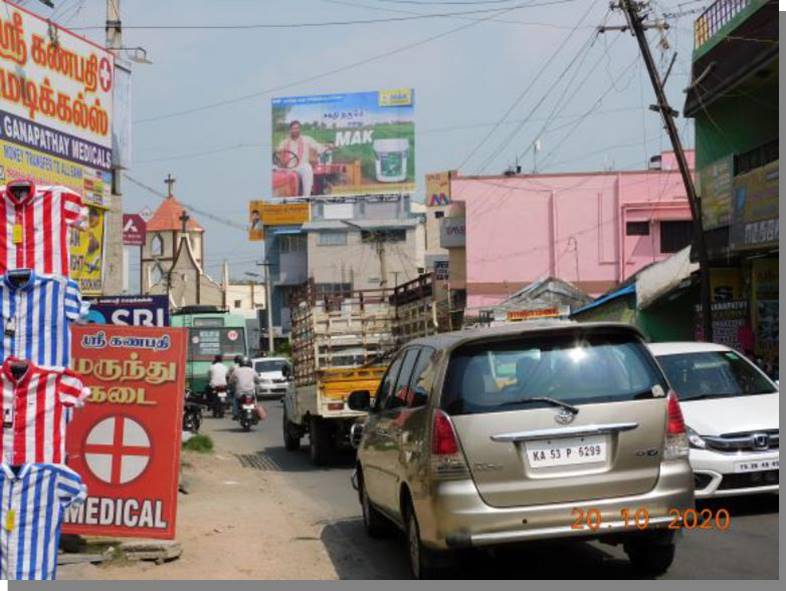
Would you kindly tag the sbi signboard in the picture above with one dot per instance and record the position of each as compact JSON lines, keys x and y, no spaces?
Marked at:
{"x":129,"y":310}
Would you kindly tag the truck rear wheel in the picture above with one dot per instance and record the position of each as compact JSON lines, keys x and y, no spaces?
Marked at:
{"x":320,"y":444}
{"x":291,"y":435}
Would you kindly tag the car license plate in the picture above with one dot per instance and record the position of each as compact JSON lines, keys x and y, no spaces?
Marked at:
{"x":567,"y":451}
{"x":756,"y":465}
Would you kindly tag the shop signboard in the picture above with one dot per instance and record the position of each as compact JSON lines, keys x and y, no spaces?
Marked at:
{"x":438,"y":188}
{"x":755,"y":213}
{"x":730,"y":321}
{"x":125,"y":442}
{"x":519,"y":315}
{"x":56,"y":103}
{"x":264,"y":213}
{"x":715,"y":188}
{"x":453,"y":232}
{"x":129,"y":310}
{"x":134,"y":229}
{"x":344,"y":144}
{"x":765,"y":289}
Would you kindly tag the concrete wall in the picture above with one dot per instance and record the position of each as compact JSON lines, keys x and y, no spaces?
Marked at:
{"x":245,"y":298}
{"x":570,"y":226}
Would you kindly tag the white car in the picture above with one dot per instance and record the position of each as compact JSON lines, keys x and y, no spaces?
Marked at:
{"x":731,"y":411}
{"x":271,"y":382}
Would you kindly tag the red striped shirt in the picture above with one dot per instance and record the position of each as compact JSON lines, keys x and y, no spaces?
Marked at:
{"x":34,"y":424}
{"x":37,"y":227}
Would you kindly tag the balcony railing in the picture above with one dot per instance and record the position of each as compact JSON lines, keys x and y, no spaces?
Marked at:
{"x":715,"y":17}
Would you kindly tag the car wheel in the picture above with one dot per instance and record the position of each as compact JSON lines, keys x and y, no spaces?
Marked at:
{"x":421,"y":561}
{"x":649,"y":558}
{"x":291,"y":438}
{"x":373,"y":521}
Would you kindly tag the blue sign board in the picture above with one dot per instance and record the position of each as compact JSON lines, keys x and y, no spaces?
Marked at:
{"x":129,"y":310}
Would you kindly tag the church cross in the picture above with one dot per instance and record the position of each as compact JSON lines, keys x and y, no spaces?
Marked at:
{"x":184,"y":217}
{"x":170,"y":182}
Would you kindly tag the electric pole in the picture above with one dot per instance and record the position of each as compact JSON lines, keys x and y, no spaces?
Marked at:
{"x":268,"y":306}
{"x":378,"y":238}
{"x":635,"y":20}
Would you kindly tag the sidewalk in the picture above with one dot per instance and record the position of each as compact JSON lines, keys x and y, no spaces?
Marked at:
{"x":235,"y":523}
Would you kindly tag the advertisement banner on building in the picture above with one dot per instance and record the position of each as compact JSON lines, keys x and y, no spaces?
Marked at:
{"x":764,"y":276}
{"x":438,"y":188}
{"x":125,"y":442}
{"x":519,"y":315}
{"x":55,"y":119}
{"x":129,"y":310}
{"x":730,"y":324}
{"x":715,"y":188}
{"x":755,"y":220}
{"x":87,"y":253}
{"x":453,"y":232}
{"x":344,"y":144}
{"x":264,"y":213}
{"x":725,"y":284}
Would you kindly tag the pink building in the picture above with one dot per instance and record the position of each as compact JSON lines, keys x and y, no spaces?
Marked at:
{"x":592,"y":229}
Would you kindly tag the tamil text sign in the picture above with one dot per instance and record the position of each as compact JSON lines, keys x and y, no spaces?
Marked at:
{"x":125,"y":442}
{"x":130,"y":310}
{"x":344,"y":144}
{"x":518,"y":315}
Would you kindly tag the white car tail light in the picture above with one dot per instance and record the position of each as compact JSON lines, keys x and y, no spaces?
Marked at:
{"x":676,"y":444}
{"x":447,"y":461}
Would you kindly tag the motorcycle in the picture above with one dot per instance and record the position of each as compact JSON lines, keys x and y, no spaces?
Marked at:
{"x":220,"y":402}
{"x":192,"y":414}
{"x":247,"y":411}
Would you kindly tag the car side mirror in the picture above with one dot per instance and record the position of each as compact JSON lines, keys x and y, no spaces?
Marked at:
{"x":359,"y":400}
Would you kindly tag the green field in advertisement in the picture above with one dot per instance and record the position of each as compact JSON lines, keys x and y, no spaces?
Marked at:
{"x":344,"y":144}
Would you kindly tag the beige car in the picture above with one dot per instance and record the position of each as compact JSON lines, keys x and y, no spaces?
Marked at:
{"x":525,"y":432}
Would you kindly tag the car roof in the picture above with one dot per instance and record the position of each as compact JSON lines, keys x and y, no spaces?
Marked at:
{"x":451,"y":340}
{"x":676,"y":347}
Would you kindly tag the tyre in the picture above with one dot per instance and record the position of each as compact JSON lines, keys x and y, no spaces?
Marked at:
{"x":291,"y":435}
{"x":421,"y":559}
{"x":319,"y":443}
{"x":373,"y":521}
{"x":245,"y":424}
{"x":650,"y":558}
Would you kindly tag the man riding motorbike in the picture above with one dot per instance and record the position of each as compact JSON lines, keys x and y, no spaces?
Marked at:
{"x":217,"y":381}
{"x":243,"y":381}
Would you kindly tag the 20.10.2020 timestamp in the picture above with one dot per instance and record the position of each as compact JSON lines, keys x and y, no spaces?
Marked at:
{"x":639,"y":518}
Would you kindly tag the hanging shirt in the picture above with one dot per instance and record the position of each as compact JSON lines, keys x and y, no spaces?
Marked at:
{"x":36,"y":315}
{"x":37,"y":228}
{"x":33,"y":499}
{"x":35,"y":411}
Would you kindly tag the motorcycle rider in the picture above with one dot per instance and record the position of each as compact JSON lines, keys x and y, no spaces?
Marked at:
{"x":243,"y":381}
{"x":217,"y":376}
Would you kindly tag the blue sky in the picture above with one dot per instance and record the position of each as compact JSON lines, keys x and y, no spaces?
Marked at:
{"x":465,"y":81}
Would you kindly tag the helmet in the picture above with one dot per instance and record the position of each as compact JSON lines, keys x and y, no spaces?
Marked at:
{"x":245,"y":362}
{"x":238,"y":359}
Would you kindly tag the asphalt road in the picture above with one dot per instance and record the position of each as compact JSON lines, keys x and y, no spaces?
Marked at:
{"x":748,"y":549}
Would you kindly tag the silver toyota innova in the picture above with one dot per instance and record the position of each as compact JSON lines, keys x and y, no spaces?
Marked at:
{"x":525,"y":432}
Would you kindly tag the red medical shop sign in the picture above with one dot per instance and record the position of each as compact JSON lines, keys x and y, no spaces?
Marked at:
{"x":125,"y":442}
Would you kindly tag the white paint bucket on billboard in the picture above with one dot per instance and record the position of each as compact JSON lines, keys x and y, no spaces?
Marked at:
{"x":391,"y":159}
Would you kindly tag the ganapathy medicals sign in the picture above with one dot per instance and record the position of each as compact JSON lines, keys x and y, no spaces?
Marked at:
{"x":125,"y":442}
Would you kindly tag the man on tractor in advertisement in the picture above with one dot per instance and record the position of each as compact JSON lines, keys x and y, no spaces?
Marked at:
{"x":300,"y":153}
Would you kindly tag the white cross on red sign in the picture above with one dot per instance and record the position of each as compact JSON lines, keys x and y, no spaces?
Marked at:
{"x":117,"y":450}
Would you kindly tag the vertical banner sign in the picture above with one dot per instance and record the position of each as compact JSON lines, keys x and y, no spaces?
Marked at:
{"x":55,"y":121}
{"x":438,"y":188}
{"x":125,"y":442}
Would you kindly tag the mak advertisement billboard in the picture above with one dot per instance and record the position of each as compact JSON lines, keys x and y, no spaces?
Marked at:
{"x":55,"y":121}
{"x":344,"y":144}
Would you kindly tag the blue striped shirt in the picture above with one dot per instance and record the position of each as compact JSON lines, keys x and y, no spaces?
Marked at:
{"x":37,"y":311}
{"x":32,"y":504}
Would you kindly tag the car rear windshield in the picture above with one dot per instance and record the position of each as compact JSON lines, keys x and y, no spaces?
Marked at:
{"x":710,"y":374}
{"x":270,"y":365}
{"x":576,"y":369}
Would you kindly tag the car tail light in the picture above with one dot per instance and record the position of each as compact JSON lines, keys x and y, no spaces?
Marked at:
{"x":676,"y":444}
{"x":447,"y":461}
{"x":335,"y":406}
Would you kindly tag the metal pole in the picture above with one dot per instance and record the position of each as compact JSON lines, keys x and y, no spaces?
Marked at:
{"x":269,"y":308}
{"x":631,"y":9}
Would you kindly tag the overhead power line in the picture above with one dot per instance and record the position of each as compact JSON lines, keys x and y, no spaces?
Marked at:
{"x":332,"y":72}
{"x":320,"y":24}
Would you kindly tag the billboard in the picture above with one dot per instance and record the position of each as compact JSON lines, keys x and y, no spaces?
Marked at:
{"x":263,"y":213}
{"x":125,"y":442}
{"x":344,"y":144}
{"x":55,"y":115}
{"x":141,"y":310}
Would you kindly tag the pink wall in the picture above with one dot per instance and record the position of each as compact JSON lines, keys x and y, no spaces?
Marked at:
{"x":571,"y":226}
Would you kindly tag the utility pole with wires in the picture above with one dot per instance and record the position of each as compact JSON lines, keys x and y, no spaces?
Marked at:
{"x":378,"y":238}
{"x":633,"y":11}
{"x":268,"y":306}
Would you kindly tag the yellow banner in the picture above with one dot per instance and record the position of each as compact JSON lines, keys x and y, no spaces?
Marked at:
{"x":438,"y":189}
{"x":87,"y":253}
{"x":276,"y":214}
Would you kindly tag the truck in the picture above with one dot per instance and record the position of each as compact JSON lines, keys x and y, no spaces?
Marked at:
{"x":340,"y":344}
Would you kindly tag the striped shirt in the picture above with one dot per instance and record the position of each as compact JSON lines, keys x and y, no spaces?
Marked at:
{"x":37,"y":227}
{"x":33,"y":499}
{"x":35,"y":409}
{"x":37,"y":311}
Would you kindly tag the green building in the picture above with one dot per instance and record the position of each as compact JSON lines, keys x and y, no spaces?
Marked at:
{"x":733,"y":99}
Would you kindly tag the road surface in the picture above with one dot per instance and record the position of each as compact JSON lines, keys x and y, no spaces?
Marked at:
{"x":747,"y":550}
